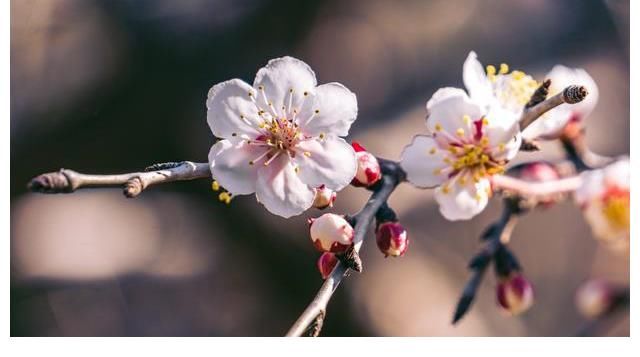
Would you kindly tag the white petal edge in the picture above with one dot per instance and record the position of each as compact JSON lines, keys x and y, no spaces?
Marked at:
{"x":227,"y":104}
{"x":419,"y":163}
{"x":503,"y":131}
{"x":463,"y":202}
{"x":337,"y":109}
{"x":229,"y":164}
{"x":280,"y":189}
{"x":331,"y":162}
{"x":447,"y":107}
{"x":476,"y":81}
{"x":280,"y":79}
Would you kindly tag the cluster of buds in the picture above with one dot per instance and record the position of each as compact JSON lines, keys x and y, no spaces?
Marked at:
{"x":514,"y":294}
{"x":324,"y":198}
{"x":368,"y":172}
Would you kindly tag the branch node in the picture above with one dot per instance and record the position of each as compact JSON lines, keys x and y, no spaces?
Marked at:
{"x":529,"y":145}
{"x":351,"y":259}
{"x":316,"y":326}
{"x":164,"y":166}
{"x":133,"y":187}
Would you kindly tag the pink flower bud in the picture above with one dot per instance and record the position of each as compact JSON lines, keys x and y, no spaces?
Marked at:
{"x":331,"y":233}
{"x":324,"y":198}
{"x":594,"y":298}
{"x":515,"y":294}
{"x":538,"y":171}
{"x":368,"y":168}
{"x":392,"y":239}
{"x":326,"y":263}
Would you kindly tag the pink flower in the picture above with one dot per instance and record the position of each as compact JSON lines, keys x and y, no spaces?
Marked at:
{"x":330,"y":233}
{"x":368,"y":167}
{"x":281,"y":136}
{"x":515,"y":294}
{"x":392,"y":239}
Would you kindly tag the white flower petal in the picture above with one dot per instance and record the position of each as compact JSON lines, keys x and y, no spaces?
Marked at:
{"x":476,"y":81}
{"x":283,"y":79}
{"x":230,"y":110}
{"x":463,"y":201}
{"x":330,"y":162}
{"x":337,"y":109}
{"x":550,"y":125}
{"x":503,"y":132}
{"x":447,"y":108}
{"x":229,"y":163}
{"x":280,"y":189}
{"x":421,"y":159}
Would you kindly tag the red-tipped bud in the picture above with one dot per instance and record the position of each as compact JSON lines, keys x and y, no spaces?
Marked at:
{"x":515,"y":294}
{"x":324,"y":198}
{"x":594,"y":298}
{"x":331,"y":233}
{"x":368,"y":167}
{"x":392,"y":239}
{"x":326,"y":263}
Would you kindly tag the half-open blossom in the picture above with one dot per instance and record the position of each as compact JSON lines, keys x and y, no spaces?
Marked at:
{"x":281,"y":136}
{"x":515,"y":294}
{"x":330,"y":233}
{"x":326,"y":263}
{"x":493,"y":86}
{"x":604,"y":198}
{"x":594,"y":298}
{"x":391,"y":238}
{"x":324,"y":198}
{"x":368,"y":171}
{"x":467,"y":143}
{"x":550,"y":125}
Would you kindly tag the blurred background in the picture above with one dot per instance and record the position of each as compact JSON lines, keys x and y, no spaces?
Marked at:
{"x":113,"y":86}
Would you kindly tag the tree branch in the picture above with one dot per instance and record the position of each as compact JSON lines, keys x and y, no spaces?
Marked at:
{"x":570,"y":95}
{"x":67,"y":181}
{"x":392,"y":175}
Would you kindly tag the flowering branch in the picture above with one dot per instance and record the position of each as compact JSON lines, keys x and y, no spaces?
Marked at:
{"x":67,"y":181}
{"x":392,"y":176}
{"x":570,"y":95}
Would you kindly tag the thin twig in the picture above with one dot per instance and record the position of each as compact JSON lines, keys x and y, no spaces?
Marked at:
{"x":67,"y":181}
{"x":535,"y":189}
{"x":392,"y":176}
{"x":570,"y":95}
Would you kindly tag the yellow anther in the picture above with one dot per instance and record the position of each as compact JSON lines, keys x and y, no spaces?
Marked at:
{"x":466,"y":119}
{"x":297,"y":169}
{"x":484,"y":158}
{"x":317,"y":111}
{"x":224,"y":197}
{"x":616,"y":211}
{"x":433,"y":151}
{"x":484,"y":141}
{"x":504,"y":68}
{"x":501,"y":147}
{"x":262,"y":125}
{"x":447,"y":161}
{"x":260,"y":87}
{"x":215,"y":185}
{"x":460,"y":132}
{"x":485,"y":121}
{"x":321,"y":136}
{"x":491,"y":70}
{"x":478,"y":197}
{"x":453,"y":149}
{"x":518,"y":75}
{"x":437,"y":171}
{"x":307,"y":154}
{"x":462,"y":181}
{"x":438,"y":127}
{"x":445,"y":189}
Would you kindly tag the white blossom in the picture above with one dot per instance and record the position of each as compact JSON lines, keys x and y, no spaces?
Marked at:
{"x":281,"y":137}
{"x":466,"y":144}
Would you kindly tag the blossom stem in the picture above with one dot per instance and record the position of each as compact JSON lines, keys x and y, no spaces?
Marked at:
{"x":570,"y":95}
{"x":67,"y":181}
{"x":392,"y":176}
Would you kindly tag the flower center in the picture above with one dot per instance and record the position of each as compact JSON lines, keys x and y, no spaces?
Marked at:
{"x":616,"y":208}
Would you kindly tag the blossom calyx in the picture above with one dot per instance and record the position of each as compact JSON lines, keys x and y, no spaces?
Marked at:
{"x":326,"y":263}
{"x":324,"y":198}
